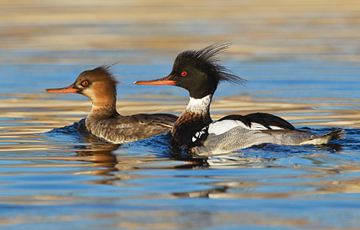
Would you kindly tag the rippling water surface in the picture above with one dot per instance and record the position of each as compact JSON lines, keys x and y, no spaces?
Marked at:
{"x":57,"y":177}
{"x":52,"y":177}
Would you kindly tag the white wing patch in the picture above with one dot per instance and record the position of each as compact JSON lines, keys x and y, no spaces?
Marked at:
{"x":257,"y":126}
{"x":275,"y":127}
{"x":220,"y":127}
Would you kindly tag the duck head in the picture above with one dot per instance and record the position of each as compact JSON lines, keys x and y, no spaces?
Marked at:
{"x":97,"y":84}
{"x":197,"y":71}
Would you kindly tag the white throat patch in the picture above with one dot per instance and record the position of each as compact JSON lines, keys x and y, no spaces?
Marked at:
{"x":199,"y":105}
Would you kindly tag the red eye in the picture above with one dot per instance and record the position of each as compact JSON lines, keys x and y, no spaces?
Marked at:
{"x":184,"y":73}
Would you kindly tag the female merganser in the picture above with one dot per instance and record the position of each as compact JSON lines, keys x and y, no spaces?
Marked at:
{"x":199,"y":73}
{"x":103,"y":120}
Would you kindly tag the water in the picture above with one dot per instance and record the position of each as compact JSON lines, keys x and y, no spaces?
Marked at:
{"x":301,"y":60}
{"x":52,"y":179}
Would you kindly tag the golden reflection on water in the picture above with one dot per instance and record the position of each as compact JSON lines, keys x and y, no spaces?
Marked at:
{"x":202,"y":220}
{"x":258,"y":29}
{"x":40,"y":114}
{"x":170,"y":219}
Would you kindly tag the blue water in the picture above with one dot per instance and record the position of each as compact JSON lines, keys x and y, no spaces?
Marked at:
{"x":63,"y":179}
{"x":277,"y":79}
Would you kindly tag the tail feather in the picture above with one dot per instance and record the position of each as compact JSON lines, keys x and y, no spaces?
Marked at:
{"x":326,"y":138}
{"x":336,"y":134}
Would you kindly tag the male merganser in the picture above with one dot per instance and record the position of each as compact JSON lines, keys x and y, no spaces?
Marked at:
{"x":198,"y":72}
{"x":103,"y":120}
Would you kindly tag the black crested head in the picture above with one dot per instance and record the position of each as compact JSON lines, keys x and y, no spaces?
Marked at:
{"x":199,"y":72}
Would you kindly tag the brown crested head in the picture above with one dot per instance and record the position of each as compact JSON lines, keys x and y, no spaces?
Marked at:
{"x":98,"y":81}
{"x":97,"y":84}
{"x":198,"y":71}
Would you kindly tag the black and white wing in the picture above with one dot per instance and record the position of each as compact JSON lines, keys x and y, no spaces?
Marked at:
{"x":253,"y":121}
{"x":270,"y":121}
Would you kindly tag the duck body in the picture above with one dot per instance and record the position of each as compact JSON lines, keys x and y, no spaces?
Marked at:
{"x":120,"y":129}
{"x":104,"y":121}
{"x":226,"y":135}
{"x":199,"y":73}
{"x":195,"y":131}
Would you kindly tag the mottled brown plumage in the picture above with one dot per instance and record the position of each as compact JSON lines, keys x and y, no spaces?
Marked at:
{"x":103,"y":120}
{"x":120,"y":129}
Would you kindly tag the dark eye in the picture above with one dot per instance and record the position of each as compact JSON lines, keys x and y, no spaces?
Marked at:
{"x":184,"y":73}
{"x":84,"y":83}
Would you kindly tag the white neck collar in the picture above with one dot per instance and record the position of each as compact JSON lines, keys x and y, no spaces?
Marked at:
{"x":201,"y":105}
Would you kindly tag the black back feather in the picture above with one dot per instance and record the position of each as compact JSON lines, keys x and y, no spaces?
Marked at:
{"x":265,"y":119}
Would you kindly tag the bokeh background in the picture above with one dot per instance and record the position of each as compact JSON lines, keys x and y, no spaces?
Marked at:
{"x":302,"y":62}
{"x":106,"y":31}
{"x":289,"y":51}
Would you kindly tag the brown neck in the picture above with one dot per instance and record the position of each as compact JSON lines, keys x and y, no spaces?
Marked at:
{"x":103,"y":100}
{"x":104,"y":111}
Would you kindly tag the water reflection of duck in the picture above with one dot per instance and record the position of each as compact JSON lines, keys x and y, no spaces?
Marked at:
{"x":103,"y":120}
{"x":199,"y":73}
{"x":116,"y":167}
{"x":102,"y":156}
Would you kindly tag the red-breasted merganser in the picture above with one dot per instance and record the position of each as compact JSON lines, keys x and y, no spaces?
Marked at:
{"x":103,"y":120}
{"x":198,"y":72}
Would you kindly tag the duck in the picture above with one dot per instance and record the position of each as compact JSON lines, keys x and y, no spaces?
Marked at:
{"x":103,"y":120}
{"x":199,"y":72}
